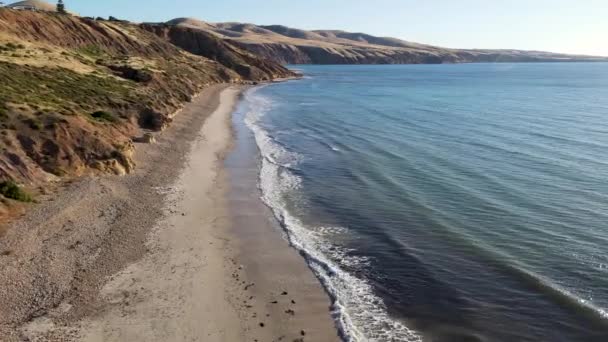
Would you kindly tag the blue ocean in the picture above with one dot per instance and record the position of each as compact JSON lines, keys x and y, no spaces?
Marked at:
{"x":445,"y":202}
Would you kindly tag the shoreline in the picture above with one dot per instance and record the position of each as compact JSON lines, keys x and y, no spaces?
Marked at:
{"x":285,"y":290}
{"x":152,"y":255}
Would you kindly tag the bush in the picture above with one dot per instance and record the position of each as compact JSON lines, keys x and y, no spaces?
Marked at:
{"x":11,"y":47}
{"x":10,"y":189}
{"x":130,"y":73}
{"x":34,"y":124}
{"x":92,"y":50}
{"x":101,"y":115}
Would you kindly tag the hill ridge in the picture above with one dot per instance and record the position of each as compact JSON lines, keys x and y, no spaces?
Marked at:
{"x":288,"y":45}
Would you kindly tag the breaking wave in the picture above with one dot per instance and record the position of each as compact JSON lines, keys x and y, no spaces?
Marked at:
{"x":359,"y":313}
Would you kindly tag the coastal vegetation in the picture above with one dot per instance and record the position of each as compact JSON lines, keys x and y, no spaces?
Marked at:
{"x":10,"y":189}
{"x":11,"y":47}
{"x":59,"y":90}
{"x":74,"y":96}
{"x":103,"y":116}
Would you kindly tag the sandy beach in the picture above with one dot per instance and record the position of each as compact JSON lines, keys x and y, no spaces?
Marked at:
{"x":176,"y":251}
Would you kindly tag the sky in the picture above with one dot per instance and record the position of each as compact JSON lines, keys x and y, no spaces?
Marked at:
{"x":568,"y":26}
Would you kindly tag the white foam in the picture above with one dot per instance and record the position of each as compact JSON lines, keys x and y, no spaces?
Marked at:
{"x":330,"y":146}
{"x":274,"y":152}
{"x":359,"y":313}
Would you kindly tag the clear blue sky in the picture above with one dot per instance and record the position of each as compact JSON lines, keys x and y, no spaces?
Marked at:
{"x":572,"y":26}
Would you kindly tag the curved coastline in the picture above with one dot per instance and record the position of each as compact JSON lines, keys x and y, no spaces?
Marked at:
{"x":153,"y":255}
{"x":358,"y":313}
{"x":448,"y":248}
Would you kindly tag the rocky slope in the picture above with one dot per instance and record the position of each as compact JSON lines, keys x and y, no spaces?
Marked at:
{"x":75,"y":92}
{"x":292,"y":46}
{"x":205,"y":44}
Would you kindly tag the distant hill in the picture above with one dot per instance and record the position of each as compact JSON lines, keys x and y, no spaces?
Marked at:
{"x":294,"y":46}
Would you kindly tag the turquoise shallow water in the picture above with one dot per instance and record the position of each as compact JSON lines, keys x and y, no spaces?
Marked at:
{"x":445,"y":202}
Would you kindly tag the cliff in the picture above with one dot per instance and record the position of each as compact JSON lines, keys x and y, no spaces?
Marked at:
{"x":207,"y":45}
{"x":76,"y":92}
{"x":293,"y":46}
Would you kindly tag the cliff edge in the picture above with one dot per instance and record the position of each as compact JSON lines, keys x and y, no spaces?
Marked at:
{"x":77,"y":92}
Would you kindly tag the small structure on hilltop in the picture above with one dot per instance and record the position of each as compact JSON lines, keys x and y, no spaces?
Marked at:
{"x":33,"y":5}
{"x":23,"y":8}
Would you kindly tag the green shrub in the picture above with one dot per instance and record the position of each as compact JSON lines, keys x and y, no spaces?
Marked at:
{"x":101,"y":115}
{"x":10,"y":189}
{"x":92,"y":50}
{"x":12,"y":47}
{"x":34,"y":124}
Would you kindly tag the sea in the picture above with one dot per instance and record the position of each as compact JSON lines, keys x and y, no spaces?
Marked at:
{"x":464,"y":202}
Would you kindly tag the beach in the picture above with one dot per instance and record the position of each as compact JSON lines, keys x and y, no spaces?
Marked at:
{"x":175,"y":251}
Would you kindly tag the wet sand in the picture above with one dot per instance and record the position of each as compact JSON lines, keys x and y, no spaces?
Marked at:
{"x":179,"y":250}
{"x":286,"y":297}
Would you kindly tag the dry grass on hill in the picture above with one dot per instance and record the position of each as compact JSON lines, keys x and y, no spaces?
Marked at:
{"x":75,"y":92}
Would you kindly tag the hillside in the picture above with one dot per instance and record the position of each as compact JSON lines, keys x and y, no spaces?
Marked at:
{"x":76,"y":93}
{"x":293,"y":46}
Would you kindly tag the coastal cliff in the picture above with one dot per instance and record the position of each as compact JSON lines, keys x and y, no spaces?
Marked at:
{"x":76,"y":92}
{"x":201,"y":43}
{"x":293,"y":46}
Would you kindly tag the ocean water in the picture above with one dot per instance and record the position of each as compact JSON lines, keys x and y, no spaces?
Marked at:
{"x":445,"y":202}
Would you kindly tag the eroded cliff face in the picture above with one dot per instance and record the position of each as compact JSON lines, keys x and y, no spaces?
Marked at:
{"x":280,"y":53}
{"x":201,"y":43}
{"x":291,"y":54}
{"x":75,"y":92}
{"x":293,"y":46}
{"x":310,"y":54}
